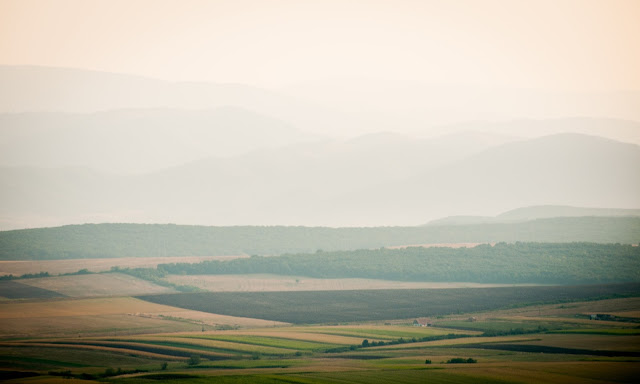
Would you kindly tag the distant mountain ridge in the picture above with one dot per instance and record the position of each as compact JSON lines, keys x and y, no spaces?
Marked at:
{"x":304,"y":187}
{"x":325,"y":108}
{"x":138,"y":140}
{"x":537,"y":212}
{"x":54,"y":89}
{"x":563,"y":169}
{"x":82,"y":146}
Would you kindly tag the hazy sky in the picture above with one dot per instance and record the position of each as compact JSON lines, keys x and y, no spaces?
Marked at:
{"x":548,"y":44}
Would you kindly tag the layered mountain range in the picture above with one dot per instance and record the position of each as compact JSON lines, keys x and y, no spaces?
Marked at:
{"x":81,"y":146}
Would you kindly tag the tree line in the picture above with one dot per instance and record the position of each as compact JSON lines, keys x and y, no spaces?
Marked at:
{"x":540,"y":263}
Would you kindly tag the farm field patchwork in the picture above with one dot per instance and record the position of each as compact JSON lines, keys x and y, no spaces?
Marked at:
{"x":144,"y":347}
{"x":241,"y":357}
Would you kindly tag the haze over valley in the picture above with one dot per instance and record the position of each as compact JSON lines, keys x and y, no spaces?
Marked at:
{"x":335,"y":191}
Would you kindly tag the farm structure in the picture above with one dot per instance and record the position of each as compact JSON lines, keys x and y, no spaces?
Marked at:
{"x":422,"y":322}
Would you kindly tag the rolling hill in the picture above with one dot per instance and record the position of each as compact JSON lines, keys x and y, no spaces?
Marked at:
{"x":153,"y":240}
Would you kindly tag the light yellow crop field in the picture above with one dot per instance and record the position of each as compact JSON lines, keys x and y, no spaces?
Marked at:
{"x":109,"y":316}
{"x":269,"y":283}
{"x":94,"y":285}
{"x":79,"y":307}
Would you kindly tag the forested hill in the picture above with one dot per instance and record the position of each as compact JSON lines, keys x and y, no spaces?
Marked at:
{"x":149,"y":240}
{"x":539,"y":263}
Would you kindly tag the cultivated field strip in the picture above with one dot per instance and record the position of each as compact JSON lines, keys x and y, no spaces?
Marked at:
{"x":107,"y":316}
{"x":587,"y":341}
{"x":384,"y":332}
{"x":97,"y":285}
{"x":238,"y":344}
{"x":314,"y":307}
{"x":19,"y":290}
{"x":300,"y":334}
{"x":149,"y":347}
{"x":278,"y":342}
{"x":459,"y":342}
{"x":197,"y":343}
{"x":92,"y":347}
{"x":278,"y":283}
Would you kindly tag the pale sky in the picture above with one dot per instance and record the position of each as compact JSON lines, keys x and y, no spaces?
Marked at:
{"x":544,"y":44}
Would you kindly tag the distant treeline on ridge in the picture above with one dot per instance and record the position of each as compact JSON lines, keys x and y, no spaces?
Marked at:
{"x":153,"y":240}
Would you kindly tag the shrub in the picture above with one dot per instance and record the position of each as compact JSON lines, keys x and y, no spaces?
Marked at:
{"x":194,"y":360}
{"x":460,"y":360}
